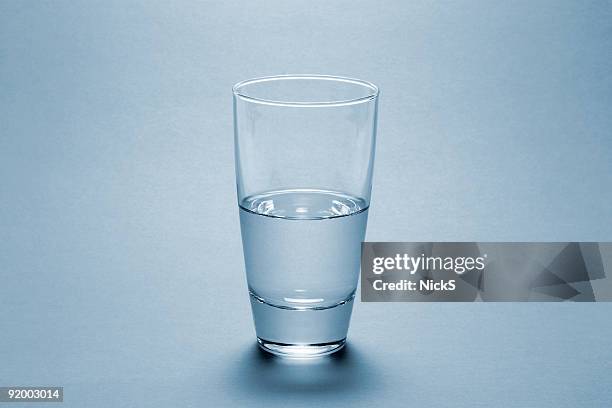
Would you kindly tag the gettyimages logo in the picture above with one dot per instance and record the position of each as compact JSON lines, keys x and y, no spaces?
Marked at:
{"x":412,"y":264}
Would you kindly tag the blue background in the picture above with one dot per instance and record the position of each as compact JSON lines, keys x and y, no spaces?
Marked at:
{"x":121,"y":271}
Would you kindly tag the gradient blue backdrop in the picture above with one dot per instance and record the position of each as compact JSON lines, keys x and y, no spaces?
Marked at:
{"x":121,"y":272}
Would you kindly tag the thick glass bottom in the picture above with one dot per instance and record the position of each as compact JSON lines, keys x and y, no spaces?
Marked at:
{"x":303,"y":331}
{"x":300,"y":350}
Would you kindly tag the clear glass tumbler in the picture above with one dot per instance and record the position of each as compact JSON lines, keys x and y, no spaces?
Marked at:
{"x":304,"y":147}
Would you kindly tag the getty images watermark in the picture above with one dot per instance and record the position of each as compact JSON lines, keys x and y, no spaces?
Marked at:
{"x":483,"y":271}
{"x":412,"y":264}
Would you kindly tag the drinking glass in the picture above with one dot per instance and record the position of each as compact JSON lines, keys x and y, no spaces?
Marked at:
{"x":304,"y":150}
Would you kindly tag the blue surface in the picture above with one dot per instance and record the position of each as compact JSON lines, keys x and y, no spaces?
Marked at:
{"x":120,"y":259}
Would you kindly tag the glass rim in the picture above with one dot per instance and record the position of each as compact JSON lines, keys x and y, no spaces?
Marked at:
{"x":373,"y":94}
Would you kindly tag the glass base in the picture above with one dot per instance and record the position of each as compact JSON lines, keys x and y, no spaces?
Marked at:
{"x":300,"y":350}
{"x":279,"y":326}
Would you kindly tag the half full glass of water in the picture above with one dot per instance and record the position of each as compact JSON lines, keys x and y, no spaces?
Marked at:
{"x":304,"y":147}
